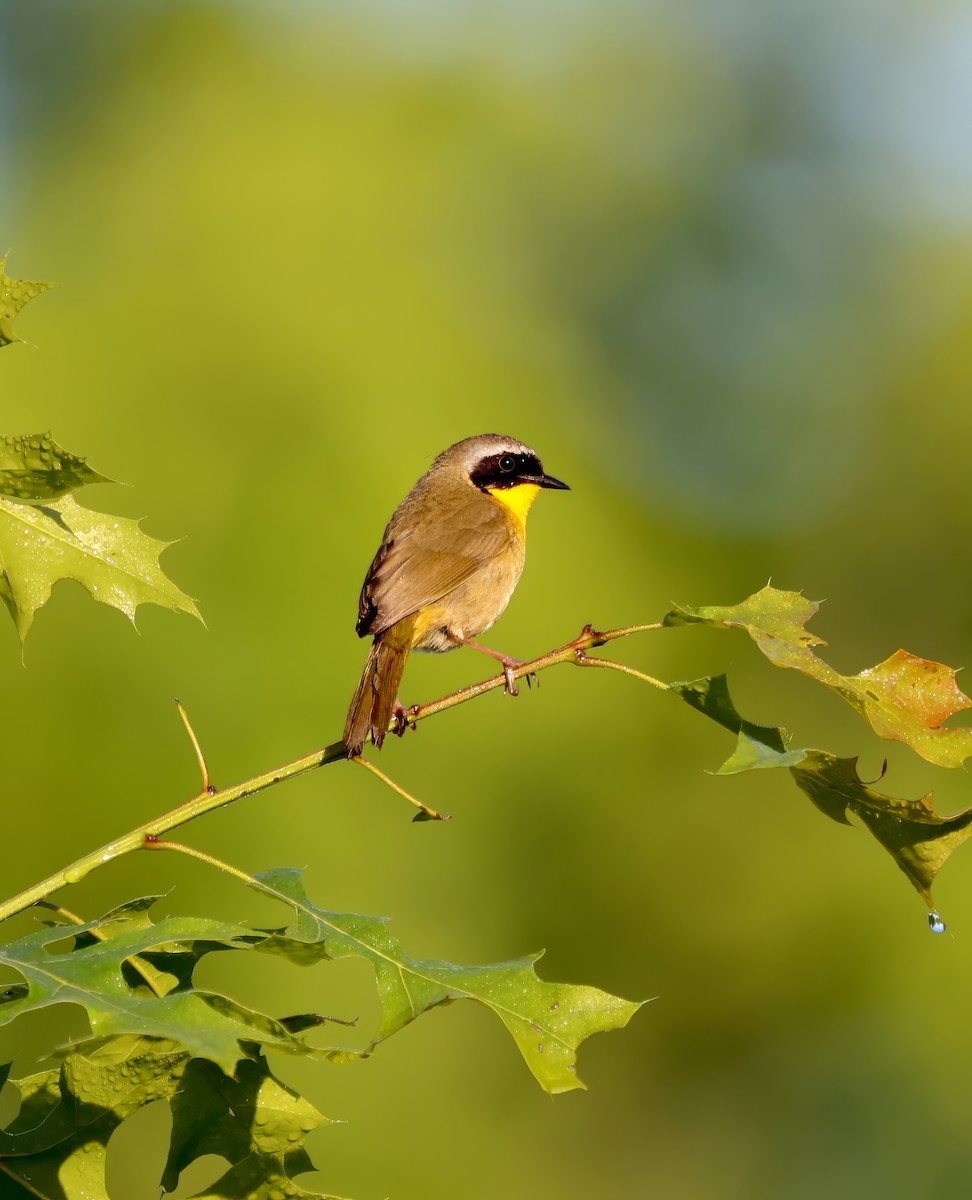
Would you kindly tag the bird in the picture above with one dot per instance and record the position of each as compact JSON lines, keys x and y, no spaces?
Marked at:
{"x":448,"y":562}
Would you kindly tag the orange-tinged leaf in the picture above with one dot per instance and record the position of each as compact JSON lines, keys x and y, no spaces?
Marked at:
{"x":905,"y":689}
{"x":905,"y":699}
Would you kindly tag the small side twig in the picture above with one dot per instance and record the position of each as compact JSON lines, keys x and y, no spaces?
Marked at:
{"x":150,"y":834}
{"x":424,"y":812}
{"x":200,"y":757}
{"x":586,"y":660}
{"x":209,"y":859}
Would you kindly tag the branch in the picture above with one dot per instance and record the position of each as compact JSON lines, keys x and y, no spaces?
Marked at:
{"x":147,"y":836}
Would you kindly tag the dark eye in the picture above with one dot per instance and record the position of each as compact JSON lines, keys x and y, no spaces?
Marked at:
{"x":507,"y":463}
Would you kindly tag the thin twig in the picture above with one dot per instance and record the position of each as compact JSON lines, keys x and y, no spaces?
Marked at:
{"x":144,"y":835}
{"x":148,"y":835}
{"x":587,"y":661}
{"x":424,"y":814}
{"x":209,"y":859}
{"x":200,"y":757}
{"x":70,"y":918}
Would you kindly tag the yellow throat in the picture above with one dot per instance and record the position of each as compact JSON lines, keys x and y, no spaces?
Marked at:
{"x":516,"y":500}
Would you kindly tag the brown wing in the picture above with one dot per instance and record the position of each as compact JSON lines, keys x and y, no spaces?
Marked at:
{"x":420,"y":562}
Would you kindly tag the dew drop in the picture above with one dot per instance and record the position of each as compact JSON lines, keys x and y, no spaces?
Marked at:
{"x":935,"y":923}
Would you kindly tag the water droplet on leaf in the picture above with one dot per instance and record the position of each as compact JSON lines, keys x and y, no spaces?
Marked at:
{"x":935,"y":923}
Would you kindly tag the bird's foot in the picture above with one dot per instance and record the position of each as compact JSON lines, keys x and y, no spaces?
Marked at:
{"x":400,"y":715}
{"x":509,"y":666}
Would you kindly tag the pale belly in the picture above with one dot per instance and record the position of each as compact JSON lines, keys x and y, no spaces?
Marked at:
{"x":471,"y":608}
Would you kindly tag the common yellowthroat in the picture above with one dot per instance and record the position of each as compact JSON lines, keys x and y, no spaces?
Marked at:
{"x":448,"y":563}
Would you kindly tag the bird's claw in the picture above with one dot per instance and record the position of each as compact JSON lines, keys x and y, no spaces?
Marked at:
{"x":509,"y":666}
{"x":400,"y":715}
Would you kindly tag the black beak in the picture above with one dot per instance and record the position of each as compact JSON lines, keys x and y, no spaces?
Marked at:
{"x":548,"y":481}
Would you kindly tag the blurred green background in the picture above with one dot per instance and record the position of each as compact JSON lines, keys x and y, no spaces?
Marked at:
{"x":714,"y":262}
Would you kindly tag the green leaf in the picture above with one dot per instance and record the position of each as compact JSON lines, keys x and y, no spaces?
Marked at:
{"x":34,"y":468}
{"x":109,"y":556}
{"x":905,"y":698}
{"x":918,"y":838}
{"x":710,"y":696}
{"x":154,"y":1037}
{"x":756,"y":745}
{"x":548,"y":1021}
{"x":95,"y":975}
{"x":37,"y":1125}
{"x":14,"y":294}
{"x":254,"y":1121}
{"x":154,"y":973}
{"x":57,"y":1145}
{"x":774,"y":620}
{"x":752,"y":755}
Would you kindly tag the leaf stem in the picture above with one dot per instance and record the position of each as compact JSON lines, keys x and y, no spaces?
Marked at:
{"x":148,"y":836}
{"x":587,"y":661}
{"x":209,"y":859}
{"x":424,"y":812}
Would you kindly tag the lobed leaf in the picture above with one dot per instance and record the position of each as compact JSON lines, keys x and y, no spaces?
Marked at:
{"x":57,"y":1145}
{"x":905,"y":698}
{"x":548,"y":1021}
{"x":710,"y":696}
{"x":34,"y":468}
{"x":14,"y":294}
{"x":95,"y":975}
{"x":917,"y":838}
{"x":153,"y":1037}
{"x":253,"y":1120}
{"x":109,"y":556}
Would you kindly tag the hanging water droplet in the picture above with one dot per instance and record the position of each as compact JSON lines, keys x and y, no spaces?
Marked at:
{"x":935,"y":923}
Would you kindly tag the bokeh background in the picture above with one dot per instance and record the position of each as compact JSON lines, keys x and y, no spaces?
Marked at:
{"x":713,"y":260}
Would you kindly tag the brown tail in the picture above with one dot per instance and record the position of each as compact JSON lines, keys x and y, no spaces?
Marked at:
{"x":374,"y":701}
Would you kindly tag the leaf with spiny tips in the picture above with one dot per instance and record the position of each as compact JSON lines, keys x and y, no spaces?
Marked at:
{"x":14,"y":294}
